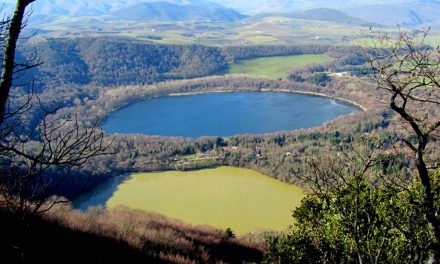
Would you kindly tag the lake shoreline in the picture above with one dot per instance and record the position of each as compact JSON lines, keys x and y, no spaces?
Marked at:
{"x":228,"y":84}
{"x":298,"y":111}
{"x":344,"y":100}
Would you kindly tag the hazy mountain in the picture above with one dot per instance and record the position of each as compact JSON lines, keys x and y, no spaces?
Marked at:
{"x":390,"y":12}
{"x":166,"y":11}
{"x":46,"y":10}
{"x":323,"y":14}
{"x":408,"y":15}
{"x":75,"y":7}
{"x":258,"y":6}
{"x":328,"y":14}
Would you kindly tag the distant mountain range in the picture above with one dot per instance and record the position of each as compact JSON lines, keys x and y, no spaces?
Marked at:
{"x":322,"y":14}
{"x":390,"y":12}
{"x":148,"y":10}
{"x":258,"y":6}
{"x":165,"y":11}
{"x":425,"y":12}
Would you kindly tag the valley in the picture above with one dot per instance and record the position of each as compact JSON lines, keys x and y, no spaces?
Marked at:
{"x":268,"y":30}
{"x":193,"y":131}
{"x":101,"y":70}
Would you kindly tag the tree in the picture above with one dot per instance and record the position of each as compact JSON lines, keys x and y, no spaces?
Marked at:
{"x":320,"y":79}
{"x":9,"y":67}
{"x":360,"y":211}
{"x":409,"y":70}
{"x":378,"y":202}
{"x":34,"y":161}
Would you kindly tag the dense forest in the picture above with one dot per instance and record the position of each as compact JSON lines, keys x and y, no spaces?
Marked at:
{"x":118,"y":61}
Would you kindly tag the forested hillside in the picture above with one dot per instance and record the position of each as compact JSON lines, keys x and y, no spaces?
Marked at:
{"x":234,"y":53}
{"x":112,"y":61}
{"x":117,"y":61}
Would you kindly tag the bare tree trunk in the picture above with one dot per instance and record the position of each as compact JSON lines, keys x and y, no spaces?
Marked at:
{"x":8,"y":66}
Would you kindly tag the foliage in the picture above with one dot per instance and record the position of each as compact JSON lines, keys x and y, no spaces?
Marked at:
{"x":234,"y":53}
{"x":296,"y":78}
{"x":366,"y":205}
{"x":101,"y":61}
{"x":359,"y":71}
{"x":320,"y":79}
{"x":229,"y":233}
{"x":408,"y":71}
{"x":356,"y":216}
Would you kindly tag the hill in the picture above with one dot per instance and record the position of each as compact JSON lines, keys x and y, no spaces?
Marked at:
{"x":48,"y":10}
{"x":410,"y":15}
{"x":403,"y":12}
{"x":331,"y":15}
{"x":165,"y":11}
{"x":258,"y":6}
{"x":322,"y":14}
{"x":120,"y":236}
{"x":91,"y":8}
{"x":116,"y":61}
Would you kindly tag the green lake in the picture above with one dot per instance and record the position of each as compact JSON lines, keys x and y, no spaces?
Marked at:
{"x":241,"y":199}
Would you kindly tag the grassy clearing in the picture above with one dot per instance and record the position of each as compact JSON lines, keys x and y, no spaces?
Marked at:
{"x":276,"y":67}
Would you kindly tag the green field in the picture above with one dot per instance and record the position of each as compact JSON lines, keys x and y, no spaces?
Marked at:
{"x":276,"y":67}
{"x":241,"y":199}
{"x":275,"y":30}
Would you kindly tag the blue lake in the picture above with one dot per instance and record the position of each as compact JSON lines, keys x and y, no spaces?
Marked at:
{"x":224,"y":114}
